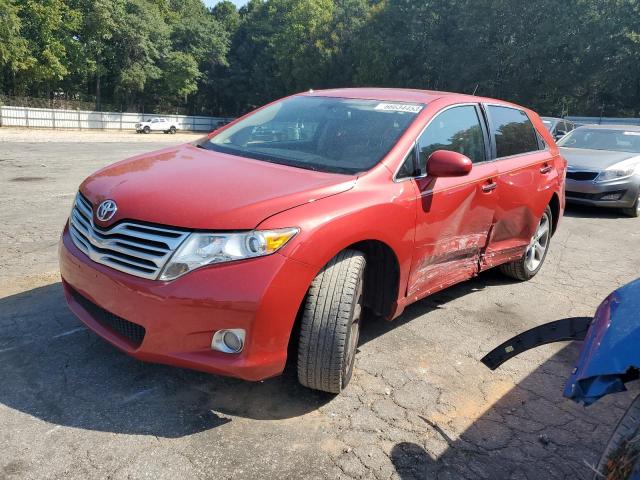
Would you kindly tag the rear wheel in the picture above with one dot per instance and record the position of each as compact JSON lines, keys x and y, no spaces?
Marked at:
{"x":633,"y":211}
{"x":330,"y":325}
{"x":534,"y":255}
{"x":621,"y":457}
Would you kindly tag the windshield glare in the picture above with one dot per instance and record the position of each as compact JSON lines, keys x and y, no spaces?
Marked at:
{"x":602,"y":139}
{"x":319,"y":133}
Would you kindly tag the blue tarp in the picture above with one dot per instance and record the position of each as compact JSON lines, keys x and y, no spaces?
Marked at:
{"x":611,"y":347}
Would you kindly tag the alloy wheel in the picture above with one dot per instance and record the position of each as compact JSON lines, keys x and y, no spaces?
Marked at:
{"x":539,"y":243}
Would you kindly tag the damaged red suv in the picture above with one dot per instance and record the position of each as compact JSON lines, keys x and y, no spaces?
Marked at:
{"x":282,"y":227}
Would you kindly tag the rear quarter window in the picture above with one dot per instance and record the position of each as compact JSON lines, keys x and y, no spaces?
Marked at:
{"x":513,"y":131}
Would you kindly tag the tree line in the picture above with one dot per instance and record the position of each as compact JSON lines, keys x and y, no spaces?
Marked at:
{"x":577,"y":57}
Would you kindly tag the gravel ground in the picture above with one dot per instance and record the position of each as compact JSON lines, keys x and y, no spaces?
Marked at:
{"x":34,"y":135}
{"x":420,"y":404}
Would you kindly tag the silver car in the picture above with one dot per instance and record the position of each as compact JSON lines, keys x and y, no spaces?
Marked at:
{"x":604,"y":166}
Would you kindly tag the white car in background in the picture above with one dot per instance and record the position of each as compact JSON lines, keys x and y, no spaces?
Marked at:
{"x":157,"y":124}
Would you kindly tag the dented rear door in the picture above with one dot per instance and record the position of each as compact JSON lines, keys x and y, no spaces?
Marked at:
{"x":525,"y":183}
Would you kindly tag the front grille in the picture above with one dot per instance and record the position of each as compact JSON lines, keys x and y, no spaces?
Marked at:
{"x":596,"y":196}
{"x":131,"y":247}
{"x":588,"y":196}
{"x":129,"y":331}
{"x":582,"y":176}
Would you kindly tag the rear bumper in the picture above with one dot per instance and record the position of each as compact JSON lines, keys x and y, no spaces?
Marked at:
{"x":591,"y":193}
{"x":180,"y":317}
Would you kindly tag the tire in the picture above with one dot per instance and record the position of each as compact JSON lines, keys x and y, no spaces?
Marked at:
{"x":146,"y":130}
{"x":330,"y":325}
{"x":618,"y":448}
{"x":633,"y":211}
{"x":172,"y":130}
{"x":527,"y":267}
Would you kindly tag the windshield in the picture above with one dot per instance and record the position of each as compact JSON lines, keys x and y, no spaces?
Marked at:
{"x":319,"y":133}
{"x":602,"y":139}
{"x":548,"y":124}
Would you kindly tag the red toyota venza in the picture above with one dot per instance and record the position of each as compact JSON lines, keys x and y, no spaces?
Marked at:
{"x":282,"y":227}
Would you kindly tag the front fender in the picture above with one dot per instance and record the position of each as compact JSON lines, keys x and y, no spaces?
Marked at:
{"x":384,"y":212}
{"x":610,"y":355}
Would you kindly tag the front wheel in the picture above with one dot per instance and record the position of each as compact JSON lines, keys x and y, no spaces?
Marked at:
{"x":533,"y":258}
{"x":330,"y":325}
{"x":172,"y":130}
{"x":621,"y":457}
{"x":634,"y":210}
{"x":146,"y":130}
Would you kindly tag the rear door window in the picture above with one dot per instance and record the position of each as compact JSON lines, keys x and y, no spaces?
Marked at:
{"x":513,"y":132}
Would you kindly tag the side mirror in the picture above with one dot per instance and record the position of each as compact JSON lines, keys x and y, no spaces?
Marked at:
{"x":445,"y":163}
{"x":560,"y":134}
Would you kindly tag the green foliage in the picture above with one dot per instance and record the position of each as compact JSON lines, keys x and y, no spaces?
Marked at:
{"x":14,"y":51}
{"x":576,"y":57}
{"x":48,"y":27}
{"x":180,"y":75}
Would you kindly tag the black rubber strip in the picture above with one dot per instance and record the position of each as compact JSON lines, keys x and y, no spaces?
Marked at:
{"x":574,"y":328}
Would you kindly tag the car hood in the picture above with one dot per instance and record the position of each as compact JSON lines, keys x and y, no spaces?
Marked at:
{"x":610,"y":350}
{"x":188,"y":187}
{"x":593,"y":159}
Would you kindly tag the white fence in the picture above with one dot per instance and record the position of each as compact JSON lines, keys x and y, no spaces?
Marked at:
{"x":81,"y":119}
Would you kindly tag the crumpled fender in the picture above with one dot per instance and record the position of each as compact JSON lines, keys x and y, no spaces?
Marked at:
{"x":610,"y":355}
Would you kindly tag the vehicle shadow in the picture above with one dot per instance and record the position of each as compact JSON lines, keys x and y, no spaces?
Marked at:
{"x":55,"y":369}
{"x":374,"y":327}
{"x":585,"y":211}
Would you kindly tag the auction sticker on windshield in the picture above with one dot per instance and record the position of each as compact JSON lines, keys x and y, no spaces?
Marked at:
{"x":399,"y":107}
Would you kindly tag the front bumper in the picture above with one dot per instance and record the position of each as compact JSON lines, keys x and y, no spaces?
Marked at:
{"x":179,"y":318}
{"x":591,"y":193}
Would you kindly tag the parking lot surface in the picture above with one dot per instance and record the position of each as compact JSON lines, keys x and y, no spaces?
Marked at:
{"x":420,"y":404}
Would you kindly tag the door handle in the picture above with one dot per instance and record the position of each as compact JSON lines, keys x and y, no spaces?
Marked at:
{"x":545,"y":169}
{"x":489,"y":187}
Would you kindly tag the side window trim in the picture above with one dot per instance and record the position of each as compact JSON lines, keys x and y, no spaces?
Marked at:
{"x":489,"y":146}
{"x":409,"y":157}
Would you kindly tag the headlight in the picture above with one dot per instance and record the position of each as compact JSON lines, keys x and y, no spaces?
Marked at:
{"x":616,"y":174}
{"x":200,"y":249}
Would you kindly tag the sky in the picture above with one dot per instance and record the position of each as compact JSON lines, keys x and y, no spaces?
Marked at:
{"x":211,"y":3}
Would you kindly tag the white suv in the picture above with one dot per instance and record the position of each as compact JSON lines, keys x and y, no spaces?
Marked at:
{"x":157,"y":124}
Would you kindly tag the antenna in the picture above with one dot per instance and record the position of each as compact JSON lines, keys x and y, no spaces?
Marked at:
{"x":475,"y":89}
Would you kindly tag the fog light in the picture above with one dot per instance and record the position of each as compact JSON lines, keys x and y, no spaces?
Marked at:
{"x":228,"y":341}
{"x":611,"y":196}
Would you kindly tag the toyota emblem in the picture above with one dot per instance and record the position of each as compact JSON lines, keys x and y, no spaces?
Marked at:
{"x":106,"y":210}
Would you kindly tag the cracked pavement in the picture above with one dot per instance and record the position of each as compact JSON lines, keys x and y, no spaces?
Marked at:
{"x":420,"y":405}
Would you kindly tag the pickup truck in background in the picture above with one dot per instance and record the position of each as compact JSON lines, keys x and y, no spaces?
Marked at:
{"x":157,"y":124}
